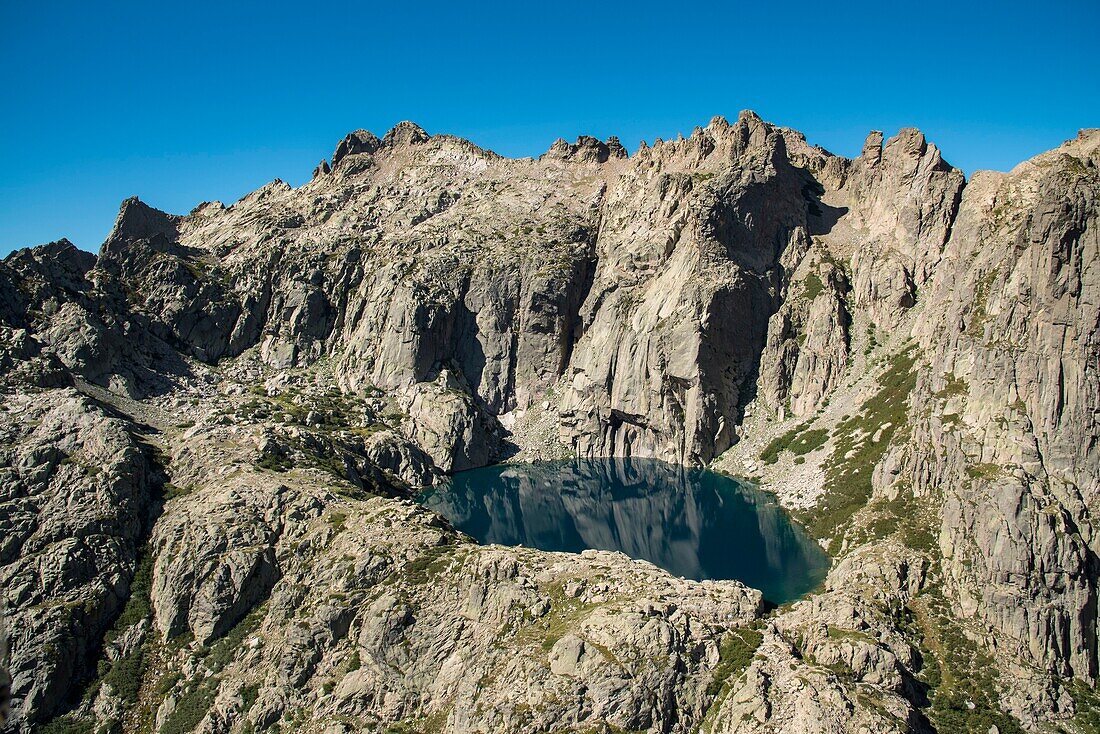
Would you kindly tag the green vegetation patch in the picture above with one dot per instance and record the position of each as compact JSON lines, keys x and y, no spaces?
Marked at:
{"x":872,"y":340}
{"x":68,"y":724}
{"x":983,"y":471}
{"x":431,"y":563}
{"x":138,"y":606}
{"x":125,"y":675}
{"x":275,"y":463}
{"x":808,"y":441}
{"x":191,"y":707}
{"x":199,"y":693}
{"x":812,"y":287}
{"x":430,"y":724}
{"x":224,"y":651}
{"x":735,"y":653}
{"x":326,"y":411}
{"x":849,"y":469}
{"x":1086,"y":701}
{"x":171,"y":491}
{"x":961,"y":677}
{"x":912,"y":520}
{"x":846,"y":635}
{"x":953,"y":387}
{"x":979,"y":313}
{"x":800,"y":440}
{"x":564,"y":616}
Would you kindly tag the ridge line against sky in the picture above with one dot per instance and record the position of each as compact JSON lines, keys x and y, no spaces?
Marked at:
{"x":184,"y":103}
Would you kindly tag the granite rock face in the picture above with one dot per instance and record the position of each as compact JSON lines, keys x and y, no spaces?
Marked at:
{"x":79,"y":496}
{"x":1011,"y":396}
{"x":677,"y":315}
{"x":213,"y":428}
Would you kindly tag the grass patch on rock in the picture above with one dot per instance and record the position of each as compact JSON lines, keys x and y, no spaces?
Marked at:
{"x":192,"y":706}
{"x":813,"y":287}
{"x":960,"y":676}
{"x":800,"y":440}
{"x":860,"y":442}
{"x":430,"y":563}
{"x":735,"y":653}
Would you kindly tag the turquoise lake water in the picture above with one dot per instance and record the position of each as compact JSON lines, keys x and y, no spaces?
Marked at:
{"x":691,"y":522}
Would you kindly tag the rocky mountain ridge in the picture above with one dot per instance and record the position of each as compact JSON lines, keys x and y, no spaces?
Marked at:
{"x":212,"y":429}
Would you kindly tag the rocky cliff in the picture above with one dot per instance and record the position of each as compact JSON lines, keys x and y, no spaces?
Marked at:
{"x":213,"y":427}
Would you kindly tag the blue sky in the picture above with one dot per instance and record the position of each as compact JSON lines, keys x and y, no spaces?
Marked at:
{"x":203,"y":101}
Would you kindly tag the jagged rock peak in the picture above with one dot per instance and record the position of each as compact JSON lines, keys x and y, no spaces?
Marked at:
{"x":405,"y":133}
{"x":909,"y":140}
{"x":911,"y":145}
{"x":718,"y":122}
{"x":138,"y":221}
{"x":587,"y":149}
{"x":62,"y":251}
{"x":749,"y":117}
{"x":65,"y":250}
{"x":1085,"y":148}
{"x":322,"y":169}
{"x":60,"y":247}
{"x":719,"y":140}
{"x":359,"y":141}
{"x":872,"y":148}
{"x":616,"y":148}
{"x":207,"y":208}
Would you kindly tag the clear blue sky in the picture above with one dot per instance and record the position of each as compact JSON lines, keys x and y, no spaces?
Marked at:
{"x":202,"y":101}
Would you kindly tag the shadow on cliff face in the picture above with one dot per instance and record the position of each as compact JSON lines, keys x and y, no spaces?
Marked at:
{"x":691,"y":522}
{"x":821,"y":217}
{"x":467,"y":350}
{"x":755,"y":222}
{"x":756,"y":225}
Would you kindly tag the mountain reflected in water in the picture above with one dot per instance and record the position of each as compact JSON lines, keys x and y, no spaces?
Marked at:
{"x":691,"y":522}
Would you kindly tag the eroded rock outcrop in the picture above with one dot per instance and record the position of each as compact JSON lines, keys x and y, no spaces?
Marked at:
{"x":78,"y":494}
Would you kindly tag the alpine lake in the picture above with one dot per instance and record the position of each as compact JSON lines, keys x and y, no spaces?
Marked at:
{"x":693,"y":523}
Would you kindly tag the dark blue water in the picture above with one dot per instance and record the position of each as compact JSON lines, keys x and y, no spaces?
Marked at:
{"x":691,"y":522}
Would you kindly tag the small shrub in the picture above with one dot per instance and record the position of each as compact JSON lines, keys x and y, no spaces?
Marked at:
{"x":983,"y":471}
{"x":274,"y":463}
{"x":953,"y":387}
{"x":225,"y":650}
{"x":963,"y":680}
{"x":138,"y":606}
{"x":808,"y":441}
{"x":798,"y":441}
{"x":125,"y":676}
{"x":171,"y":491}
{"x":249,"y":694}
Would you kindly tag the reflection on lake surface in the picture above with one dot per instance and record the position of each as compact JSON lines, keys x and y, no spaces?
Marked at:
{"x":691,"y":522}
